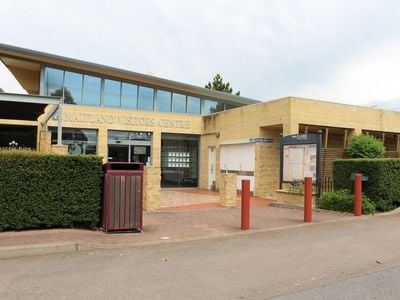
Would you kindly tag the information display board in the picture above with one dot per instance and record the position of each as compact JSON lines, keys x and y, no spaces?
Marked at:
{"x":300,"y":157}
{"x":299,"y":161}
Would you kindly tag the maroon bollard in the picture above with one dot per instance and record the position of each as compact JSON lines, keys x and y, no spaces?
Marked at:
{"x":357,"y":195}
{"x":308,"y":199}
{"x":245,"y":204}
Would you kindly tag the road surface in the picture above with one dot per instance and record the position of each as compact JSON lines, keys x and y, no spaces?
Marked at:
{"x":300,"y":263}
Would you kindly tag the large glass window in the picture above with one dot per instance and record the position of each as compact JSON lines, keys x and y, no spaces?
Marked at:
{"x":14,"y":136}
{"x":79,"y":141}
{"x":112,"y":93}
{"x":193,"y":105}
{"x":129,"y":95}
{"x":211,"y":106}
{"x":163,"y":101}
{"x":53,"y":82}
{"x":146,"y":98}
{"x":91,"y":90}
{"x":95,"y":91}
{"x":73,"y":88}
{"x":178,"y":103}
{"x":179,"y":160}
{"x":229,"y":106}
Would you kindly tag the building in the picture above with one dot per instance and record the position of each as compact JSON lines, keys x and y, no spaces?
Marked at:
{"x":188,"y":136}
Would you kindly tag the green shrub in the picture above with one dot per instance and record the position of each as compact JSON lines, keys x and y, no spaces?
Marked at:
{"x":383,"y":185}
{"x":343,"y":201}
{"x":365,"y":146}
{"x":48,"y":190}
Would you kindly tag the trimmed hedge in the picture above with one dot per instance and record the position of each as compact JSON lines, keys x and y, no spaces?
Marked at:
{"x":49,"y":190}
{"x":344,"y":201}
{"x":383,"y":185}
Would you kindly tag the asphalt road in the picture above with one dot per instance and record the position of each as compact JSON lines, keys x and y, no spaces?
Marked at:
{"x":320,"y":261}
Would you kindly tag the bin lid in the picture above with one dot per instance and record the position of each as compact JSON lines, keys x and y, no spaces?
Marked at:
{"x":126,"y":166}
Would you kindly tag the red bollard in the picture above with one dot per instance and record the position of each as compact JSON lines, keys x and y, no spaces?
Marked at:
{"x":308,"y":199}
{"x":245,"y":204}
{"x":357,"y":195}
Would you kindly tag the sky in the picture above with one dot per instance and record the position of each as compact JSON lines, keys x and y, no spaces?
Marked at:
{"x":342,"y":51}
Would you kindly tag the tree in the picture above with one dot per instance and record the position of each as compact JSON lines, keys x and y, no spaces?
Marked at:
{"x":365,"y":146}
{"x":219,"y":85}
{"x":67,"y":95}
{"x":1,"y":90}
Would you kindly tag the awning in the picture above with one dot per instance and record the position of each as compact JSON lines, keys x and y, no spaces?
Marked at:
{"x":29,"y":108}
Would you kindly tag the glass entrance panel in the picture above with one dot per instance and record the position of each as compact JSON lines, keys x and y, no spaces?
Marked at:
{"x":129,"y":146}
{"x":118,"y":153}
{"x":179,"y":160}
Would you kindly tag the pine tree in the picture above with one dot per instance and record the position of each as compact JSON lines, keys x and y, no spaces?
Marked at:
{"x":219,"y":85}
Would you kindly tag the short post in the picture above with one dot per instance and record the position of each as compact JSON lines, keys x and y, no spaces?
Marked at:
{"x":245,"y":204}
{"x":357,"y":195}
{"x":308,"y":199}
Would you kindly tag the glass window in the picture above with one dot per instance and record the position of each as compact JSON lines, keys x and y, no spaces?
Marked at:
{"x":163,"y":101}
{"x":112,"y":93}
{"x":73,"y":88}
{"x":79,"y":141}
{"x":193,"y":105}
{"x":211,"y":106}
{"x":178,"y":103}
{"x":91,"y":90}
{"x":129,"y":95}
{"x":229,"y":106}
{"x":53,"y":82}
{"x":146,"y":98}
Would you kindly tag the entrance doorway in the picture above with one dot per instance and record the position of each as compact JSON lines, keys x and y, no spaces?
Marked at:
{"x":179,"y":160}
{"x":211,"y":168}
{"x":126,"y":146}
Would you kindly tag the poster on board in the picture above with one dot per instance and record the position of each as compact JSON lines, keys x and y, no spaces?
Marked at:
{"x":300,"y":157}
{"x":299,"y":161}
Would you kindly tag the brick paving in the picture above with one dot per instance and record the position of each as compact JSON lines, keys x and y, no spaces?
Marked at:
{"x":174,"y":225}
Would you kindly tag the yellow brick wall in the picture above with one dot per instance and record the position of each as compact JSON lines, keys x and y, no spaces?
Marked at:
{"x":228,"y":191}
{"x":151,"y":188}
{"x":283,"y":116}
{"x":267,"y":165}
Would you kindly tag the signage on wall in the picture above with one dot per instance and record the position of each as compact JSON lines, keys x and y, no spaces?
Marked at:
{"x":261,"y":140}
{"x":83,"y":117}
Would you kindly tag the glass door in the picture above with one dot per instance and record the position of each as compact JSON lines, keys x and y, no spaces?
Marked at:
{"x":129,"y":146}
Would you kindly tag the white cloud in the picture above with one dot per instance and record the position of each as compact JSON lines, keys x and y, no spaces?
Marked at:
{"x":372,"y":76}
{"x":331,"y":49}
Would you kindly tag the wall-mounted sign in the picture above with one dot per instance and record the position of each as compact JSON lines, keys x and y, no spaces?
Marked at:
{"x":100,"y":118}
{"x":261,"y":140}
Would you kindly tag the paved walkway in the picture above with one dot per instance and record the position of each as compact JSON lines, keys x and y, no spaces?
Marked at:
{"x":167,"y":226}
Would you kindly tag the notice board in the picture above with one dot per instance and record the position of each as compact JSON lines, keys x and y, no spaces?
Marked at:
{"x":300,"y":157}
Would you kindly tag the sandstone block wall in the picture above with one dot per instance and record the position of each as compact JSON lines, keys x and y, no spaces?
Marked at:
{"x":227,"y":190}
{"x":151,"y":188}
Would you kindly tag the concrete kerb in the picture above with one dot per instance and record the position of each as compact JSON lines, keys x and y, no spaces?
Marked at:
{"x":9,"y":252}
{"x":41,"y":249}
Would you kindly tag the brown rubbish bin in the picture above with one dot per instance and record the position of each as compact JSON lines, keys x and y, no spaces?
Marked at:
{"x":123,"y":197}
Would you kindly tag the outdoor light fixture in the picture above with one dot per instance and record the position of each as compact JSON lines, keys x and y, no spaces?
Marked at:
{"x":13,"y":144}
